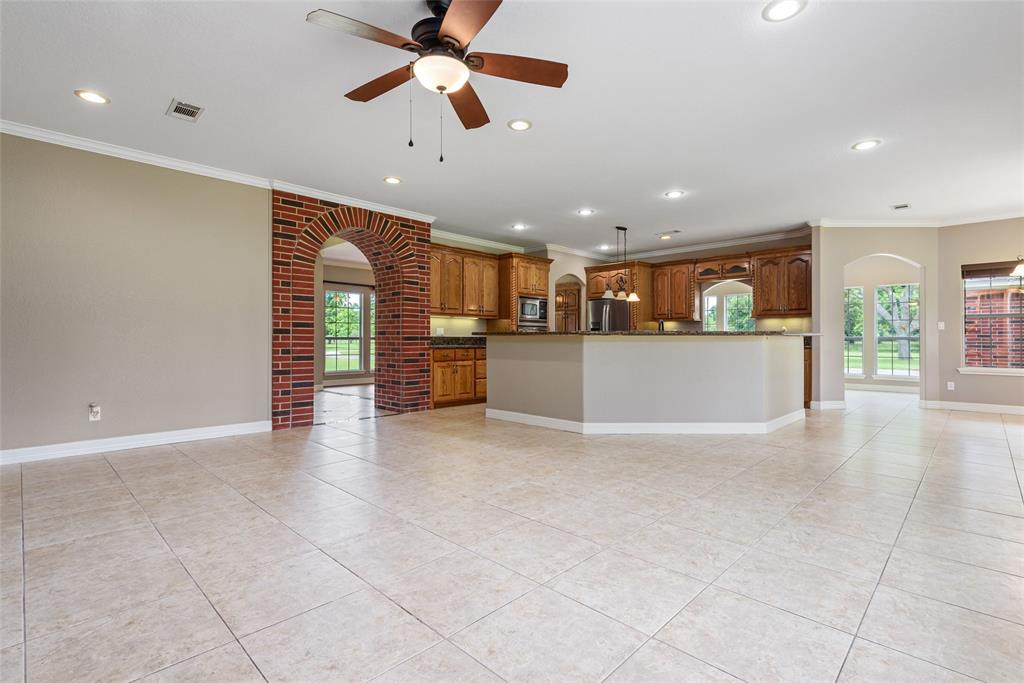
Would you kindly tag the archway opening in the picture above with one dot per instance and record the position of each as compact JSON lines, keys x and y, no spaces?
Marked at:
{"x":883,"y":297}
{"x":396,"y":250}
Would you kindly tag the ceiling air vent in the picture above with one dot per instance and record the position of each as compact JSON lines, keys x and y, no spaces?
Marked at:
{"x":900,"y":207}
{"x":183,"y":110}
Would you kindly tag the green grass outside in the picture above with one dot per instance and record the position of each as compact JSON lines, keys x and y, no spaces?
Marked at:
{"x":888,"y":360}
{"x":344,"y":356}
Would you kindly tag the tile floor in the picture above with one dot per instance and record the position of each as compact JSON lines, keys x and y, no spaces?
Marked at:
{"x":885,"y":543}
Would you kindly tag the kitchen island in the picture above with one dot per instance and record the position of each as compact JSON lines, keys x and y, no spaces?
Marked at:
{"x":646,"y":382}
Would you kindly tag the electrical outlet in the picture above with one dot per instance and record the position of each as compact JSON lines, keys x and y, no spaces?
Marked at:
{"x":950,"y":386}
{"x":942,"y":325}
{"x":94,"y":412}
{"x":440,"y":332}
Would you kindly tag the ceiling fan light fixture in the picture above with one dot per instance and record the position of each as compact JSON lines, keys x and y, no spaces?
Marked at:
{"x":441,"y":73}
{"x":780,"y":10}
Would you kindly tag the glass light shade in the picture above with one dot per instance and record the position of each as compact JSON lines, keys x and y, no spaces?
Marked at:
{"x":1019,"y":270}
{"x":608,"y":293}
{"x":621,"y":296}
{"x":440,"y":73}
{"x":633,"y":297}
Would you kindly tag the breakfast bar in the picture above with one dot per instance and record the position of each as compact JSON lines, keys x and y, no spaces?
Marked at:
{"x":645,"y":382}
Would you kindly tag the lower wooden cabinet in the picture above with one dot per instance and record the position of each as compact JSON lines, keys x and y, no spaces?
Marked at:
{"x":458,"y":376}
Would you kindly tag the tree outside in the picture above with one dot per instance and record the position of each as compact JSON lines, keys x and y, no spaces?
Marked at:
{"x":898,"y":325}
{"x":738,"y":308}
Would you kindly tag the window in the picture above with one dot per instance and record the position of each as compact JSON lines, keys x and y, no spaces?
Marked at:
{"x":897,"y":331}
{"x":349,"y":329}
{"x":737,"y":312}
{"x":853,"y":314}
{"x":993,"y":316}
{"x":710,"y":313}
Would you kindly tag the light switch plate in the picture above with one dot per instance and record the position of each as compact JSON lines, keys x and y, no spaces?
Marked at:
{"x":950,"y":386}
{"x":440,"y":332}
{"x":942,"y":325}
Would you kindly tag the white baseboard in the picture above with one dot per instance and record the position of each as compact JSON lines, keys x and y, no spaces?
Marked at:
{"x":119,"y":443}
{"x":828,"y":405}
{"x":895,"y":388}
{"x":646,"y":427}
{"x":974,"y":407}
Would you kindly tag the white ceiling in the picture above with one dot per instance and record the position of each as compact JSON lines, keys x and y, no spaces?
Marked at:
{"x":754,"y":120}
{"x":339,"y":251}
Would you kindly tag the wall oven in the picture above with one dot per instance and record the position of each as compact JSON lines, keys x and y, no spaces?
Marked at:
{"x":533,"y":313}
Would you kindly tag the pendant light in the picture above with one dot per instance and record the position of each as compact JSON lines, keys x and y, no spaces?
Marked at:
{"x":608,"y":293}
{"x":1018,"y":271}
{"x":633,"y":296}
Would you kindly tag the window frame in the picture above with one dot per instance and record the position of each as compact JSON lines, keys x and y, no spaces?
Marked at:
{"x":366,"y":323}
{"x":846,"y":355}
{"x":877,"y":374}
{"x":973,"y":272}
{"x":725,"y":308}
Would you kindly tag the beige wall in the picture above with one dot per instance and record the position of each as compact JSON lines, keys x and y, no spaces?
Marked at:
{"x":939,"y":252}
{"x":143,"y":289}
{"x":972,"y":243}
{"x":868,"y":273}
{"x":564,"y":264}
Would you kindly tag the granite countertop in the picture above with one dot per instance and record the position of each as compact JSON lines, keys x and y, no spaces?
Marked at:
{"x":458,"y":342}
{"x":652,"y":333}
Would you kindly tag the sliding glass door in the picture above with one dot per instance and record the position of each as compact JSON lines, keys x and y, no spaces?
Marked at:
{"x":349,"y":328}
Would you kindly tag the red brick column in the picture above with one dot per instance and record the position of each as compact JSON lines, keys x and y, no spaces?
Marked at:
{"x":399,"y":253}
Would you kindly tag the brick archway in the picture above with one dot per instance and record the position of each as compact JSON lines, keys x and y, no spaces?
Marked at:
{"x":398,"y":250}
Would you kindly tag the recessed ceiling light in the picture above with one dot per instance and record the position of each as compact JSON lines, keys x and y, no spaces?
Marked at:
{"x":674,"y":194}
{"x":605,"y":247}
{"x":392,"y":180}
{"x":520,"y":124}
{"x":585,"y":212}
{"x":666,"y":236}
{"x":519,"y":226}
{"x":780,"y":10}
{"x":865,"y":145}
{"x":93,"y":97}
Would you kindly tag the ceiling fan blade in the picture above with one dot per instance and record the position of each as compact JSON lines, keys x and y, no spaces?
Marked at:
{"x":381,"y":85}
{"x":465,"y":18}
{"x":525,"y":69}
{"x":322,"y":17}
{"x":467,"y":105}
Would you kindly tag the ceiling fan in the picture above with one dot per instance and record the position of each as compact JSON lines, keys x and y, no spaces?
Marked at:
{"x":443,"y":65}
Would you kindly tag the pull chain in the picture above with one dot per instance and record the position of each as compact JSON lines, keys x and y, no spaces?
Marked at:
{"x":441,"y":160}
{"x":410,"y":104}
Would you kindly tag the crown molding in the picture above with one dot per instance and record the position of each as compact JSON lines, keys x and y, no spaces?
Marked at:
{"x":924,"y":223}
{"x":739,"y":241}
{"x":475,"y":241}
{"x":350,"y":201}
{"x":981,"y":219}
{"x":53,"y":137}
{"x":23,"y":131}
{"x":577,"y":252}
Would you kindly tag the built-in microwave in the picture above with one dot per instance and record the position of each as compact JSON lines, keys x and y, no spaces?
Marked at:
{"x":533,"y":312}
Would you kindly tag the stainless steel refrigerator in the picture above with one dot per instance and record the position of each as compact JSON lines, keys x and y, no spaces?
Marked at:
{"x":608,"y":315}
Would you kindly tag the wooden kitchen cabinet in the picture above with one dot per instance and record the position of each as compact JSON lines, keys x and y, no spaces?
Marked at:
{"x":599,"y":281}
{"x":674,"y":292}
{"x":458,"y":376}
{"x":723,"y":268}
{"x":567,"y":308}
{"x":463,"y":282}
{"x":532,"y":276}
{"x":480,"y":286}
{"x":782,"y":284}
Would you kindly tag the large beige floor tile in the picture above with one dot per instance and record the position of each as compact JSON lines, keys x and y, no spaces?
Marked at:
{"x":931,"y":492}
{"x":12,"y":664}
{"x":536,"y":550}
{"x":544,"y":636}
{"x":211,"y":559}
{"x":453,"y":591}
{"x":381,"y":555}
{"x":351,"y":639}
{"x":628,"y":589}
{"x":333,"y":525}
{"x":52,"y":605}
{"x":826,"y":548}
{"x":871,"y":663}
{"x":65,"y":561}
{"x":983,"y":551}
{"x":130,"y":644}
{"x":982,"y":590}
{"x":657,"y":662}
{"x":964,"y":519}
{"x":64,"y":528}
{"x":205,"y":526}
{"x":12,"y":626}
{"x":683,"y":550}
{"x":442,"y":663}
{"x":754,"y":641}
{"x":257,"y":597}
{"x":40,"y":505}
{"x":467,"y":521}
{"x":971,"y":643}
{"x":861,"y":523}
{"x":225,"y":664}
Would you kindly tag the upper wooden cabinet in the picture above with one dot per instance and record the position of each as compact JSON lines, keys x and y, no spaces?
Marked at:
{"x":723,"y":268}
{"x":674,"y":292}
{"x":463,"y":283}
{"x":532,"y":276}
{"x":782,"y":284}
{"x":598,"y":281}
{"x":480,"y":286}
